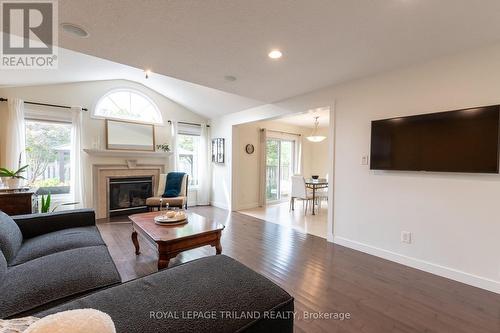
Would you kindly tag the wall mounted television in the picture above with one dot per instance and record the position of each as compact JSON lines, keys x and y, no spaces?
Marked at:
{"x":455,"y":141}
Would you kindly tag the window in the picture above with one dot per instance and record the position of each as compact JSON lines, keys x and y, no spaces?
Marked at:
{"x":48,"y":154}
{"x":188,"y":146}
{"x":128,"y":105}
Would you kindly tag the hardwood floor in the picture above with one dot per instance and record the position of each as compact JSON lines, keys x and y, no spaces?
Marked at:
{"x":381,"y":296}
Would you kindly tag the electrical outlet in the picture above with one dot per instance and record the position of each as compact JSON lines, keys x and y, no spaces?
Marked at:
{"x":364,"y":160}
{"x":406,"y":237}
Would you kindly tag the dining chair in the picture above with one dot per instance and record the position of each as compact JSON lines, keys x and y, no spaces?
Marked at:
{"x":322,"y":194}
{"x":299,"y":191}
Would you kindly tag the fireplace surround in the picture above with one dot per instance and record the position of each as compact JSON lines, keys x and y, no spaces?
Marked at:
{"x":104,"y":173}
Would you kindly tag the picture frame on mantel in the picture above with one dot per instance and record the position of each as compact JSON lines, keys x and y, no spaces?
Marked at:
{"x":218,"y":153}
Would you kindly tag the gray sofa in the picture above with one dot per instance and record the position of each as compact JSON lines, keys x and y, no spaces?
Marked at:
{"x":55,"y":262}
{"x":48,"y":258}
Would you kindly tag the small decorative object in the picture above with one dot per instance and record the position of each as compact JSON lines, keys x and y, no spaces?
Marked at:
{"x":45,"y":203}
{"x":218,"y":150}
{"x":131,"y":164}
{"x":249,"y":148}
{"x":315,"y":177}
{"x":163,"y":147}
{"x":171,"y":217}
{"x":12,"y":178}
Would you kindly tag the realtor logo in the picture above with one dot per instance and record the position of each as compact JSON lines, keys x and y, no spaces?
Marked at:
{"x":29,"y":34}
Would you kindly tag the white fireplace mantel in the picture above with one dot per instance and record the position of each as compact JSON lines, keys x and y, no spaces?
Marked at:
{"x":127,"y":153}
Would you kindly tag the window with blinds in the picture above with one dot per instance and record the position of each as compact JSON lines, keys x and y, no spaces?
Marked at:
{"x":188,"y":146}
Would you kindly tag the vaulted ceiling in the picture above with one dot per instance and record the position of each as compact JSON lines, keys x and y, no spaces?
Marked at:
{"x":323,"y":41}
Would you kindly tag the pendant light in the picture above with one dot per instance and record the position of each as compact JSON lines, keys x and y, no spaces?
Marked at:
{"x":314,"y":137}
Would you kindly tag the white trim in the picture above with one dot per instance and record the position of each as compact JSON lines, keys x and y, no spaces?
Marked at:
{"x":220,"y":205}
{"x":450,"y":273}
{"x":331,"y":173}
{"x":127,"y":153}
{"x":247,"y":206}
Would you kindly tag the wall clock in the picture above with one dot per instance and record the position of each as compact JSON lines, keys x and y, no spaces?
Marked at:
{"x":249,"y":148}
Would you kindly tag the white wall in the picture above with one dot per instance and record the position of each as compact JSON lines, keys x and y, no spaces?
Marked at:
{"x":454,"y":218}
{"x":87,"y":94}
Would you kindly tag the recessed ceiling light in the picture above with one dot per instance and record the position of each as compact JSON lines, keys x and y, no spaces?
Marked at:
{"x":275,"y":54}
{"x":74,"y":30}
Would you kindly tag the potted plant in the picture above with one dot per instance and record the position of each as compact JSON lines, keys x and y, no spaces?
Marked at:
{"x":46,"y":202}
{"x":12,"y":178}
{"x":163,"y":147}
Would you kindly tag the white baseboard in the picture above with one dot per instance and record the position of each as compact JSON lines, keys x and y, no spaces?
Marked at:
{"x":221,"y":205}
{"x":247,"y":206}
{"x":450,"y":273}
{"x":330,"y":238}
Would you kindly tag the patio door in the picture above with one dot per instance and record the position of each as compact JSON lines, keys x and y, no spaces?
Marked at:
{"x":280,"y":166}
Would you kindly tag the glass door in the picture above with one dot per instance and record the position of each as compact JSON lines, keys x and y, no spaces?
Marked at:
{"x":279,"y":169}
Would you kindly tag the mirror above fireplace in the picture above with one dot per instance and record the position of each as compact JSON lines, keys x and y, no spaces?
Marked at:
{"x":122,"y":135}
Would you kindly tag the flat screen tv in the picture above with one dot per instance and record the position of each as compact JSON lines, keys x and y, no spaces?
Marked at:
{"x":454,"y":141}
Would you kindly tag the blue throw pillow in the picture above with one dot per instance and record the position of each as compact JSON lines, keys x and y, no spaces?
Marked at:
{"x":173,"y":185}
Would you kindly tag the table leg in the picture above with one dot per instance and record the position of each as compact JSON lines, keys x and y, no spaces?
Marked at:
{"x":314,"y":199}
{"x":163,"y":260}
{"x":218,"y":247}
{"x":136,"y":242}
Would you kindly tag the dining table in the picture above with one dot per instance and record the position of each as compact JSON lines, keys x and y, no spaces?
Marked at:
{"x":314,"y":185}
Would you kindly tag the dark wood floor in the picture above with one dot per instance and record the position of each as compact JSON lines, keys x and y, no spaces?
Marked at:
{"x":380,"y":295}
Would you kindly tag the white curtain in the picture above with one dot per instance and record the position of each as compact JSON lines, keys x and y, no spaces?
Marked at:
{"x":299,"y":159}
{"x":13,"y":138}
{"x":174,"y":158}
{"x":77,"y":168}
{"x":262,"y":166}
{"x":204,"y":172}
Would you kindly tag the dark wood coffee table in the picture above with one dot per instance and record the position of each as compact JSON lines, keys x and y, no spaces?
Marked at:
{"x":171,"y":240}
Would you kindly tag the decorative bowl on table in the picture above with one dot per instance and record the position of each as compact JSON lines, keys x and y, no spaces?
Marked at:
{"x":315,"y":177}
{"x":171,"y":218}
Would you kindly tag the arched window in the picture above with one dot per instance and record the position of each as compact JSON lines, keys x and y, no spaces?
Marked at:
{"x":127,"y":104}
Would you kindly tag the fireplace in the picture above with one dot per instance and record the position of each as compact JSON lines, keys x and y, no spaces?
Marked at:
{"x":129,"y":194}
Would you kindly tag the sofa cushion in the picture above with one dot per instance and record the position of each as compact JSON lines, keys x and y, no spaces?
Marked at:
{"x":57,"y":241}
{"x":60,"y":275}
{"x":33,"y":225}
{"x":10,"y":237}
{"x":210,"y":285}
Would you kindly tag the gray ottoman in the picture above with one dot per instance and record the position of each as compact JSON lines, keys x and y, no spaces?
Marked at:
{"x":212,"y":294}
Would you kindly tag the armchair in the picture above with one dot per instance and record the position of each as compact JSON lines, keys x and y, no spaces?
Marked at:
{"x":180,"y":201}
